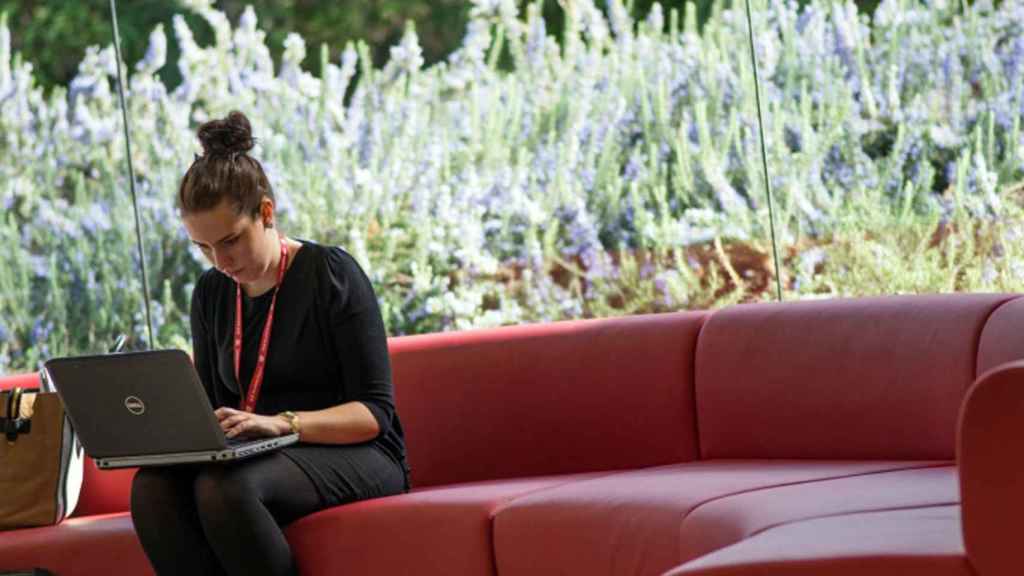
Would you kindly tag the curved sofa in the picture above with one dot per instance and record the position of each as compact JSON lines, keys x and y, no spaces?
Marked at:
{"x":824,"y":437}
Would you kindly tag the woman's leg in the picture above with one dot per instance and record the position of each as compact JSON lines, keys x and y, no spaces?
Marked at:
{"x":242,"y":505}
{"x":164,"y":514}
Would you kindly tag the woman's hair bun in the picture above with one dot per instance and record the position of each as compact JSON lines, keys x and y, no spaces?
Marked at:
{"x":227,"y":136}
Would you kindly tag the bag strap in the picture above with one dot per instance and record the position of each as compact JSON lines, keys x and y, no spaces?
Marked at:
{"x":12,"y":422}
{"x":13,"y":403}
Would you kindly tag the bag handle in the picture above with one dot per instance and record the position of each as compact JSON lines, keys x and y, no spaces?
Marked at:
{"x":12,"y":422}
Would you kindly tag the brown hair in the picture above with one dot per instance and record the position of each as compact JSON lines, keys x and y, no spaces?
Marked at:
{"x":225,"y":170}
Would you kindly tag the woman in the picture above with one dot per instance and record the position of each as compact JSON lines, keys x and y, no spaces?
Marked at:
{"x":324,"y":374}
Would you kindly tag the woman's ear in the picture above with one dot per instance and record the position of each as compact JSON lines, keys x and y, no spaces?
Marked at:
{"x":267,"y":212}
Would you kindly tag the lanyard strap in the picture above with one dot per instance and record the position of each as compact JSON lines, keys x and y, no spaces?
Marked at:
{"x":249,"y":403}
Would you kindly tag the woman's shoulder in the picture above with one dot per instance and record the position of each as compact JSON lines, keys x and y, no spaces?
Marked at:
{"x":207,"y":291}
{"x":210,"y":280}
{"x":340,"y":278}
{"x":335,"y":260}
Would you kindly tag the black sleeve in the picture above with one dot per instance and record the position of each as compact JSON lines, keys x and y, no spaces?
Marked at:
{"x":359,"y":338}
{"x":202,"y":341}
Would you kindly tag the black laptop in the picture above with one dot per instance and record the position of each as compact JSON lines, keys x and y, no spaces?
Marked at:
{"x":145,"y":409}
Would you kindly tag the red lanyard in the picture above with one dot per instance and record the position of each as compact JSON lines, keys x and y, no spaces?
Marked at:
{"x":249,"y":403}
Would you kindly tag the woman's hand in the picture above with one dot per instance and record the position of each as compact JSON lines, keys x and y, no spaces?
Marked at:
{"x":248,"y":425}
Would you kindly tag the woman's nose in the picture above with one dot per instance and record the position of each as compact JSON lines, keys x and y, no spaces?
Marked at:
{"x":221,"y":259}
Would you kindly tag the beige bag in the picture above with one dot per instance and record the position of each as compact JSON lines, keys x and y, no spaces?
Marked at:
{"x":40,"y":460}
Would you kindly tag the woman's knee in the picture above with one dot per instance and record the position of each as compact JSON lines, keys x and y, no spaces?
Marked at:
{"x":159,"y":496}
{"x":223,"y":489}
{"x":151,"y":486}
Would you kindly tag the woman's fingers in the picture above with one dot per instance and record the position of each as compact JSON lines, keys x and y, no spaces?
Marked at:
{"x":230,"y":417}
{"x":236,"y":429}
{"x":235,"y":423}
{"x":233,"y":419}
{"x":239,"y":423}
{"x":225,"y":412}
{"x":246,"y":424}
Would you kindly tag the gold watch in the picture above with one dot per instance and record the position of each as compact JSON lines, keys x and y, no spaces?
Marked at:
{"x":292,"y":418}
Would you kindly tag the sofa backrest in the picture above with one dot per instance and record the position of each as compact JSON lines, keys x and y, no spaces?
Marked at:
{"x":547,"y":399}
{"x":1002,"y":339}
{"x":870,"y":378}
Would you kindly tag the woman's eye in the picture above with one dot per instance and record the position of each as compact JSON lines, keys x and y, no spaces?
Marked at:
{"x":231,"y":241}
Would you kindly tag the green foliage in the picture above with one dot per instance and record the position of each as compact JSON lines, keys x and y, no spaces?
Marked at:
{"x":53,"y":34}
{"x":613,"y":169}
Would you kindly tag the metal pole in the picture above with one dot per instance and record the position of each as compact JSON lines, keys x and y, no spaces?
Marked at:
{"x":131,"y":172}
{"x":764,"y":154}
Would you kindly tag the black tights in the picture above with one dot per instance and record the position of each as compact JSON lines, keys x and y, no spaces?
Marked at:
{"x":221,"y":518}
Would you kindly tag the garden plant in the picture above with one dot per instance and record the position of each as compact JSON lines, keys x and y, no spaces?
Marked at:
{"x":611,"y":170}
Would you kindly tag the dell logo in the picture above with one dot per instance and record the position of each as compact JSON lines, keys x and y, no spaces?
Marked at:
{"x":134,"y":405}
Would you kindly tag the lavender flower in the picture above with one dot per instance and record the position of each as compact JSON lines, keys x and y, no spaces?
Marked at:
{"x":156,"y":52}
{"x":627,"y":138}
{"x":407,"y":57}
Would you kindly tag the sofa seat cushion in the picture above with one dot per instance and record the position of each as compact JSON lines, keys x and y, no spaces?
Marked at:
{"x":104,"y":544}
{"x":443,"y":530}
{"x":912,"y":542}
{"x":725,"y":521}
{"x":440,"y":530}
{"x":631,"y":522}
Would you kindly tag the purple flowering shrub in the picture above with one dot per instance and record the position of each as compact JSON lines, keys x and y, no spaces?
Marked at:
{"x":613,"y":171}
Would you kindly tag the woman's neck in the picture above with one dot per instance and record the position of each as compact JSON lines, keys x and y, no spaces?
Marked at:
{"x":268,"y":279}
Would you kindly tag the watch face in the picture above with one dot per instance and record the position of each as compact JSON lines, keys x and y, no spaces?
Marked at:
{"x":293,"y":420}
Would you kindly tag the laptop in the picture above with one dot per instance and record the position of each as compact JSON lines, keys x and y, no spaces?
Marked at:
{"x":146,"y":409}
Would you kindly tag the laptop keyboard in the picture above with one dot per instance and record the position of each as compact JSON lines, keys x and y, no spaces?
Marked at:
{"x":235,"y":442}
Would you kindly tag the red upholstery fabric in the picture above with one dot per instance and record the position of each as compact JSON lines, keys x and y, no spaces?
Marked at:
{"x":1000,"y":340}
{"x":104,"y":491}
{"x":991,"y":462}
{"x":77,"y":547}
{"x":916,"y":542}
{"x":547,"y":399}
{"x":728,"y":520}
{"x":630,"y":522}
{"x":30,"y":380}
{"x":862,"y":379}
{"x":435,"y":531}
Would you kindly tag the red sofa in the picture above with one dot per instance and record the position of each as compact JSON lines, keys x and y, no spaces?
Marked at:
{"x":816,"y":437}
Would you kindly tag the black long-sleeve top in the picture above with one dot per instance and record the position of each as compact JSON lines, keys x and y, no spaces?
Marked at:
{"x":328,"y":346}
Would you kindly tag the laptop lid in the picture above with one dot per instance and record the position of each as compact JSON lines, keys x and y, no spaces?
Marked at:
{"x":136,"y":403}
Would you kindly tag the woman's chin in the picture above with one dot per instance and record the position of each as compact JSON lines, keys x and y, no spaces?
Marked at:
{"x":239,"y":275}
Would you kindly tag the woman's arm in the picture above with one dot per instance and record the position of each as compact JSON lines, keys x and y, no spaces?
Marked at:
{"x":348,"y":423}
{"x":343,"y":424}
{"x":365,"y":392}
{"x":201,"y":341}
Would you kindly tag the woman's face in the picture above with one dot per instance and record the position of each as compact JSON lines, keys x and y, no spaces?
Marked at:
{"x":235,"y":244}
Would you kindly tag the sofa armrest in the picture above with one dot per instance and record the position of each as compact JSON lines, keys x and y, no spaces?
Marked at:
{"x":990,"y":456}
{"x":30,"y":380}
